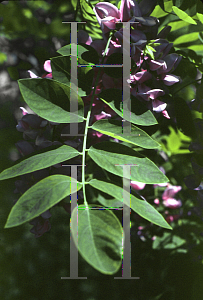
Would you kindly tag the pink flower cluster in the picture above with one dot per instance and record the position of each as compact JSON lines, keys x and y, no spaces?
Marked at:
{"x":168,"y":196}
{"x":154,"y":69}
{"x":170,"y":201}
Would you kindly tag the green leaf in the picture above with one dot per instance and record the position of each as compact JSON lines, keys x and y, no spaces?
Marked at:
{"x":87,"y":11}
{"x":183,"y":15}
{"x":99,"y":238}
{"x":61,"y":70}
{"x":159,"y":12}
{"x":39,"y":198}
{"x":113,"y":98}
{"x":114,"y":128}
{"x":197,"y":48}
{"x":200,"y":36}
{"x":40,"y":161}
{"x":141,"y":207}
{"x":50,"y":99}
{"x":176,"y":140}
{"x":74,"y":4}
{"x":167,"y":241}
{"x":149,"y":50}
{"x":108,"y":155}
{"x":86,"y":52}
{"x":186,"y":38}
{"x":200,"y":17}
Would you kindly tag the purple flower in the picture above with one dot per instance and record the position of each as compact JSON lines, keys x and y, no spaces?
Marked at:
{"x":172,"y":203}
{"x":170,"y":79}
{"x":107,"y":14}
{"x":168,"y":197}
{"x":137,"y":185}
{"x":128,"y":9}
{"x":47,"y":67}
{"x":170,"y":191}
{"x":24,"y":111}
{"x":172,"y":60}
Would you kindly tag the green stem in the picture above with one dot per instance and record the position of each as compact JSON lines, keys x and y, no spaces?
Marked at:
{"x":88,"y":119}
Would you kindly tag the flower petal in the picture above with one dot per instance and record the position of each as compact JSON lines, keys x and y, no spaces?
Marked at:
{"x":141,"y":76}
{"x":157,"y":64}
{"x":165,"y":114}
{"x":137,"y":185}
{"x":128,"y":9}
{"x":172,"y":203}
{"x":170,"y":79}
{"x":158,"y":105}
{"x":47,"y":66}
{"x":103,"y":10}
{"x":171,"y":191}
{"x":32,"y":75}
{"x":171,"y":60}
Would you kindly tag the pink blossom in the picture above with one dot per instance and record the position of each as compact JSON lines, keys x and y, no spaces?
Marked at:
{"x":140,"y":77}
{"x":158,"y":105}
{"x":128,"y":9}
{"x":47,"y":66}
{"x":172,"y":203}
{"x":107,"y":14}
{"x":168,"y":197}
{"x":170,"y":79}
{"x":137,"y":185}
{"x":165,"y":114}
{"x":102,"y":115}
{"x":24,"y":111}
{"x":151,"y":94}
{"x":172,"y":218}
{"x":156,"y":201}
{"x":172,"y":60}
{"x":32,"y":75}
{"x":170,"y":192}
{"x":157,"y":64}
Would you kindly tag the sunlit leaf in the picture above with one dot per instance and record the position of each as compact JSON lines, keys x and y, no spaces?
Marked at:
{"x":50,"y":99}
{"x":141,"y":207}
{"x":109,"y":155}
{"x":39,"y":198}
{"x":99,"y":237}
{"x":40,"y":161}
{"x":114,"y":128}
{"x":183,"y":15}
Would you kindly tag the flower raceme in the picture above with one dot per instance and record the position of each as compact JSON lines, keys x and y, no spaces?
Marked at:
{"x":148,"y":66}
